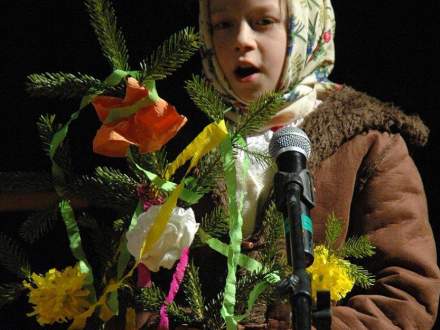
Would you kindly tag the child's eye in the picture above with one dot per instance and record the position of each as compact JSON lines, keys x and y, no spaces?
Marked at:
{"x":265,"y":21}
{"x":221,"y":25}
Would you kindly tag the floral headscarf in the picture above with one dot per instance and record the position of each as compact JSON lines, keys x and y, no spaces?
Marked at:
{"x":309,"y":57}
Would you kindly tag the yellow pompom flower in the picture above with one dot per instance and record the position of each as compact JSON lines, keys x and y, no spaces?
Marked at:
{"x":328,"y":272}
{"x":57,"y":296}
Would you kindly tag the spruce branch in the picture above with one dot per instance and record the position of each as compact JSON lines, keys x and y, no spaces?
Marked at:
{"x":38,"y":224}
{"x":155,"y":162}
{"x":193,"y":291}
{"x":107,"y":188}
{"x":206,"y":98}
{"x":362,"y":277}
{"x":24,"y":182}
{"x":261,"y":158}
{"x":259,"y":113}
{"x":64,"y":85}
{"x":9,"y":292}
{"x":111,"y":39}
{"x":357,"y":247}
{"x":170,"y":55}
{"x":333,"y":229}
{"x":214,"y":320}
{"x":214,"y":223}
{"x":47,"y":129}
{"x":13,"y":258}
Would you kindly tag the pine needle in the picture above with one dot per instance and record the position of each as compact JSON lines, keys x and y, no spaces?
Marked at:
{"x":170,"y":55}
{"x":107,"y":188}
{"x":38,"y":224}
{"x":206,"y":98}
{"x":112,"y":41}
{"x":333,"y":229}
{"x":259,"y":112}
{"x":263,"y":159}
{"x":362,"y":277}
{"x":13,"y":258}
{"x":64,"y":85}
{"x":9,"y":292}
{"x":193,"y":291}
{"x":357,"y":247}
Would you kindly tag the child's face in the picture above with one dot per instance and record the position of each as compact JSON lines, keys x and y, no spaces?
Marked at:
{"x":250,"y":40}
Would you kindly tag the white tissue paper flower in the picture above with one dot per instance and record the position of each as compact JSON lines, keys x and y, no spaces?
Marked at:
{"x":179,"y":233}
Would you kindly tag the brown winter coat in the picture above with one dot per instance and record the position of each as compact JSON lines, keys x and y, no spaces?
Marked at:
{"x":365,"y":175}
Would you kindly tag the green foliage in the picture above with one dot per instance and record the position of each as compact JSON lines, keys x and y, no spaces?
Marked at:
{"x":259,"y":112}
{"x":64,"y":85}
{"x":107,"y":188}
{"x":38,"y":224}
{"x":9,"y":292}
{"x":206,"y":98}
{"x":24,"y":182}
{"x":261,"y":158}
{"x":47,"y":129}
{"x":214,"y":223}
{"x":103,"y":20}
{"x":357,"y":247}
{"x":151,"y":299}
{"x":272,"y":233}
{"x":169,"y":56}
{"x":193,"y":291}
{"x":155,"y":162}
{"x":214,"y":320}
{"x":362,"y":277}
{"x":13,"y":258}
{"x":333,"y":229}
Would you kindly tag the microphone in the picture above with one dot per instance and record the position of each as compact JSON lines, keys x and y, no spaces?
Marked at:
{"x":290,"y":148}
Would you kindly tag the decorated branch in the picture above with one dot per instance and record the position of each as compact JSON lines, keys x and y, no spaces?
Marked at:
{"x":155,"y":232}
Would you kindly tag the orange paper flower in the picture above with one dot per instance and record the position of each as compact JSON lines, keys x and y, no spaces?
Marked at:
{"x":149,"y":128}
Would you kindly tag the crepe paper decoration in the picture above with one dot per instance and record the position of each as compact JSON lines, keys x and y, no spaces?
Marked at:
{"x":235,"y":224}
{"x":220,"y":131}
{"x":174,"y":287}
{"x":178,"y":233}
{"x":57,"y":296}
{"x":75,"y":244}
{"x":141,"y":119}
{"x":211,"y":136}
{"x":330,"y":273}
{"x":144,"y":276}
{"x":167,"y":186}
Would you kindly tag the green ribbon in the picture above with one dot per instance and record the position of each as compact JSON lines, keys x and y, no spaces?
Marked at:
{"x":75,"y":245}
{"x":235,"y":224}
{"x":119,"y":113}
{"x":164,"y":185}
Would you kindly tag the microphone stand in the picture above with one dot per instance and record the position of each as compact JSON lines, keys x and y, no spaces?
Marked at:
{"x":298,"y":285}
{"x":294,"y":197}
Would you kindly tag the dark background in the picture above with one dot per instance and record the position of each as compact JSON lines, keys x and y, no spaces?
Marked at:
{"x":389,"y":49}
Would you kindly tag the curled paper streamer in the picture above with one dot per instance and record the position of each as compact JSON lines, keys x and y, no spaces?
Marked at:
{"x":174,"y":287}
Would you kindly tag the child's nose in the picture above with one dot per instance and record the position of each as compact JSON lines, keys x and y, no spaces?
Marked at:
{"x":245,"y":39}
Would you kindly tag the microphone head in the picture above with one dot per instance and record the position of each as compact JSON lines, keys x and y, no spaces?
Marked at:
{"x":289,"y":139}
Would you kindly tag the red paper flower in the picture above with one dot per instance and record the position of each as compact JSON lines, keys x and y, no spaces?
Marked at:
{"x":149,"y":128}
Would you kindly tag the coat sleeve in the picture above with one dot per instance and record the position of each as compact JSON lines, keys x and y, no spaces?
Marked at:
{"x":392,"y":210}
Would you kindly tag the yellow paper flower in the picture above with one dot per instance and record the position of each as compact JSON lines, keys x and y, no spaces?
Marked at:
{"x":330,"y":273}
{"x":57,"y":296}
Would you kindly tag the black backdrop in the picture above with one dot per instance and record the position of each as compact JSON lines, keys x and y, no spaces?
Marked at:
{"x":389,"y":49}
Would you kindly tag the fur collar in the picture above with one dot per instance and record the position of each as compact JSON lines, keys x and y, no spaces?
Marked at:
{"x":345,"y":113}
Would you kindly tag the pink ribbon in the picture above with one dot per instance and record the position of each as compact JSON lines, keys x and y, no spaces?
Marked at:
{"x":174,"y":287}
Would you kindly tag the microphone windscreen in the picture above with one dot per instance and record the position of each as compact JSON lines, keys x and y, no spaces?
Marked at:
{"x":289,"y":139}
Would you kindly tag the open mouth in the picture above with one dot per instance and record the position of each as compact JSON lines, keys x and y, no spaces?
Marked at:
{"x":243,"y":72}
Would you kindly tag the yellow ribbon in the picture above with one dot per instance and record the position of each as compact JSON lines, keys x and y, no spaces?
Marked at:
{"x":211,"y":136}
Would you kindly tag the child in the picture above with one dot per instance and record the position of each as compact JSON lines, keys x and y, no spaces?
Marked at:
{"x":360,"y":162}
